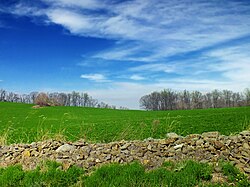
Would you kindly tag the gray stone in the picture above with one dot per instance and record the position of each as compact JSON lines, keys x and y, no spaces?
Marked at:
{"x":65,"y":148}
{"x":214,"y":134}
{"x":172,"y":135}
{"x":178,"y":146}
{"x":125,"y":146}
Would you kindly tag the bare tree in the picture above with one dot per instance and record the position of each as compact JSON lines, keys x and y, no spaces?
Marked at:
{"x":2,"y":95}
{"x":247,"y":95}
{"x":42,"y":99}
{"x":171,"y":100}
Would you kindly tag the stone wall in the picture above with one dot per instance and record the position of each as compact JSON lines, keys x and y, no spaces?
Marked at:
{"x":207,"y":147}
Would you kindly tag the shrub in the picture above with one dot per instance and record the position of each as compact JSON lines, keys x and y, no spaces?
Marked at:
{"x":42,"y":99}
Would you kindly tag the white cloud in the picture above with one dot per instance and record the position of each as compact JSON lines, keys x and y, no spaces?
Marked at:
{"x":233,"y":63}
{"x":154,"y":68}
{"x":137,"y":77}
{"x":95,"y":77}
{"x":165,"y":28}
{"x":86,"y":4}
{"x":73,"y":21}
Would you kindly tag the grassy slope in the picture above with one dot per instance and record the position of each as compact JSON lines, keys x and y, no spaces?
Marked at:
{"x":25,"y":124}
{"x":22,"y":123}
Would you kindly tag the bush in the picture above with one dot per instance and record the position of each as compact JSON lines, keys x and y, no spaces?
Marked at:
{"x":42,"y":99}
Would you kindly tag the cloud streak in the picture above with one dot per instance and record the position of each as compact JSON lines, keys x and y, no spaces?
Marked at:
{"x":172,"y":26}
{"x":95,"y":77}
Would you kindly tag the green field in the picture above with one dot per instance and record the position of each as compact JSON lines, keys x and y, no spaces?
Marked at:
{"x":22,"y":123}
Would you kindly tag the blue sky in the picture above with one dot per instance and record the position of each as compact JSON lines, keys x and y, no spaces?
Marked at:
{"x":118,"y":51}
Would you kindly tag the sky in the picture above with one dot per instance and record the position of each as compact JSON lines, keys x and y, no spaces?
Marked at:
{"x":119,"y":50}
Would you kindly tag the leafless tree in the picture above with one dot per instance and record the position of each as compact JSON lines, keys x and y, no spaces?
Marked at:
{"x":171,"y":100}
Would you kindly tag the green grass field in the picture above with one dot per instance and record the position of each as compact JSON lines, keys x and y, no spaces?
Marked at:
{"x":22,"y":123}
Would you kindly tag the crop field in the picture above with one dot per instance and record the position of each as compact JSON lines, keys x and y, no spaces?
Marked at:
{"x":22,"y":123}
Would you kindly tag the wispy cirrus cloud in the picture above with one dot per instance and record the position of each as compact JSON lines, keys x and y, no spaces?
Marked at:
{"x":167,"y":68}
{"x":86,"y":4}
{"x":167,"y":28}
{"x":95,"y":77}
{"x":232,"y":62}
{"x":137,"y":77}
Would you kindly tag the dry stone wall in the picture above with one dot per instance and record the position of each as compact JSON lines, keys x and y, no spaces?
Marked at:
{"x":207,"y":147}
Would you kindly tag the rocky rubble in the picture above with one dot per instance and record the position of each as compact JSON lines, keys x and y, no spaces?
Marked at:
{"x":207,"y":147}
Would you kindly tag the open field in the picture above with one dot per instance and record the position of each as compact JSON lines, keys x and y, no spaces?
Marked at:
{"x":22,"y":123}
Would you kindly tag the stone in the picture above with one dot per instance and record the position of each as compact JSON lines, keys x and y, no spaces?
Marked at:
{"x":218,"y":144}
{"x":148,"y":139}
{"x":125,"y":146}
{"x":172,"y":135}
{"x":199,"y":142}
{"x":246,"y":146}
{"x":97,"y":160}
{"x":26,"y":153}
{"x":245,"y":133}
{"x":214,"y":134}
{"x":149,"y":147}
{"x":65,"y":148}
{"x":178,"y":146}
{"x":145,"y":162}
{"x":208,"y":147}
{"x":246,"y":169}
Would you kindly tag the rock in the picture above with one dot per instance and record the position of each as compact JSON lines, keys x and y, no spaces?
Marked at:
{"x":218,"y":144}
{"x":178,"y":146}
{"x":26,"y":153}
{"x":199,"y":142}
{"x":245,"y":133}
{"x":148,"y":139}
{"x":193,"y":136}
{"x":208,"y":147}
{"x":149,"y":147}
{"x":246,"y":169}
{"x":80,"y":143}
{"x":145,"y":162}
{"x":125,"y":146}
{"x":97,"y":160}
{"x":66,"y":148}
{"x":172,"y":135}
{"x":246,"y":146}
{"x":214,"y":134}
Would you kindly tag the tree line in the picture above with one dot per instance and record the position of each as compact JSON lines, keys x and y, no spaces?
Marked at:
{"x":183,"y":100}
{"x":55,"y":99}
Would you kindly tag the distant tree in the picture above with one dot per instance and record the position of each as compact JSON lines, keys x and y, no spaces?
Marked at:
{"x":196,"y":100}
{"x":42,"y":99}
{"x":54,"y":99}
{"x":247,"y":96}
{"x":2,"y":95}
{"x":171,"y":100}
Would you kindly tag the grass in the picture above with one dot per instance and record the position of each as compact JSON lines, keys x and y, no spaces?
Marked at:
{"x":134,"y":174}
{"x":182,"y":174}
{"x":22,"y":123}
{"x":234,"y":175}
{"x":48,"y":174}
